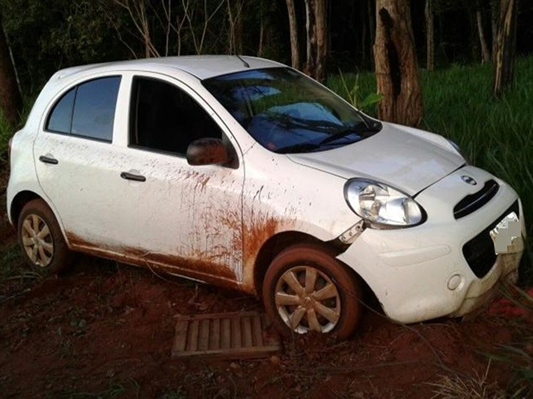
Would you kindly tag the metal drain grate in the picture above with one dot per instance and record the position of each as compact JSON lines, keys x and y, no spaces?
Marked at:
{"x":225,"y":335}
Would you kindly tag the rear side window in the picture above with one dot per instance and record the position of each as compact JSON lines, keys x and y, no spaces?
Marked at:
{"x":87,"y":110}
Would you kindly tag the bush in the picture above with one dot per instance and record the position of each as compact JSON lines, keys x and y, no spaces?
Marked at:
{"x":5,"y":134}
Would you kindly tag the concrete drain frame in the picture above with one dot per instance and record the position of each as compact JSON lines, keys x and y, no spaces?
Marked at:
{"x":240,"y":335}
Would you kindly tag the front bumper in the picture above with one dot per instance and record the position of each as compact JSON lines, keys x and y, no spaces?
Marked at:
{"x":421,"y":273}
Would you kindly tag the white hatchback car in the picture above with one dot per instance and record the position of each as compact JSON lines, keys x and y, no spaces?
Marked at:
{"x":242,"y":172}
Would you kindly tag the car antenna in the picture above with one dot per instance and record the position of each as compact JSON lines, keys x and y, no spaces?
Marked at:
{"x":246,"y":65}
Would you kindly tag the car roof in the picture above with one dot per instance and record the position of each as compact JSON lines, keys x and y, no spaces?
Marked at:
{"x":201,"y":66}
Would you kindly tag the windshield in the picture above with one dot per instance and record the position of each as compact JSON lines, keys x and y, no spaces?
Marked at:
{"x":287,"y":113}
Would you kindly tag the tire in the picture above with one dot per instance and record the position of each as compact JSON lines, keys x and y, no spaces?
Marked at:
{"x":40,"y":238}
{"x":330,"y":305}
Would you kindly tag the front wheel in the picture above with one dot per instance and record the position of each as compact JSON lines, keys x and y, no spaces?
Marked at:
{"x":306,"y":289}
{"x":41,"y":240}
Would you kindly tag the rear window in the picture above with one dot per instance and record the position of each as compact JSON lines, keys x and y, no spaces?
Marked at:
{"x":87,"y":110}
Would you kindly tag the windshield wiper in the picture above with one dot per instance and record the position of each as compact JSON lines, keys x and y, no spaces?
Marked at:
{"x":361,"y":131}
{"x":339,"y":135}
{"x":301,"y":147}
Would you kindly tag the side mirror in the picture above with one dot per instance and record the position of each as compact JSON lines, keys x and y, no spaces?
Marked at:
{"x":207,"y":151}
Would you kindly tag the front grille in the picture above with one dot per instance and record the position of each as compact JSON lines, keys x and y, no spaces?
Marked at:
{"x":479,"y":251}
{"x":473,"y":202}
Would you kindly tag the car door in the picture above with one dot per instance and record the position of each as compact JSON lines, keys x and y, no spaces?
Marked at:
{"x":187,"y":217}
{"x":75,"y":160}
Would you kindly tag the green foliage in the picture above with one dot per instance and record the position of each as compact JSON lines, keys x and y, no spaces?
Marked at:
{"x":10,"y":262}
{"x":47,"y":36}
{"x":178,"y":393}
{"x":114,"y":390}
{"x":496,"y":135}
{"x":5,"y":135}
{"x":518,"y":356}
{"x":13,"y":268}
{"x":6,"y":132}
{"x":353,"y":97}
{"x":51,"y":35}
{"x":358,"y":92}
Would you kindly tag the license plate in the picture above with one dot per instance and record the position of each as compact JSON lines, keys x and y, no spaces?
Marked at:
{"x":507,"y":235}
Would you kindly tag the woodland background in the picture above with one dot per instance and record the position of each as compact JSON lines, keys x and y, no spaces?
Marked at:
{"x":44,"y":36}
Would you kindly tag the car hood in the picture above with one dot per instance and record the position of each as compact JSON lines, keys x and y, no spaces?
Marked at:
{"x":404,"y":158}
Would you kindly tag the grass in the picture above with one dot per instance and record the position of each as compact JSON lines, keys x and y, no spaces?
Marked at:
{"x":516,"y":356}
{"x":467,"y":387}
{"x":6,"y":132}
{"x":115,"y":389}
{"x":14,"y":274}
{"x":177,"y":393}
{"x":5,"y":135}
{"x":356,"y":88}
{"x":496,"y":135}
{"x":9,"y":262}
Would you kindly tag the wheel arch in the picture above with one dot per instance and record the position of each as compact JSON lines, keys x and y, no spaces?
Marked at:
{"x":18,"y":202}
{"x":281,"y":241}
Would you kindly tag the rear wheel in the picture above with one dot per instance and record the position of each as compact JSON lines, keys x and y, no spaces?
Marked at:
{"x":41,"y":240}
{"x":306,"y":289}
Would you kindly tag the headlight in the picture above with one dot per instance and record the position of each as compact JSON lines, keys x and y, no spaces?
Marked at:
{"x":382,"y":205}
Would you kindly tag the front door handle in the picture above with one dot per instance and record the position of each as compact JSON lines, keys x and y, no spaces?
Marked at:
{"x":47,"y":159}
{"x":131,"y":176}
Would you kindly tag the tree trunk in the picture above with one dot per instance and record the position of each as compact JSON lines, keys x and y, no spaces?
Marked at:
{"x":261,"y":31}
{"x":371,"y":29}
{"x":317,"y":41}
{"x":321,"y":40}
{"x":505,"y":47}
{"x":430,"y":36}
{"x":310,"y":32}
{"x":10,"y":98}
{"x":234,"y":11}
{"x":495,"y":16}
{"x":485,"y":53}
{"x":293,"y":26}
{"x":396,"y":64}
{"x":239,"y":29}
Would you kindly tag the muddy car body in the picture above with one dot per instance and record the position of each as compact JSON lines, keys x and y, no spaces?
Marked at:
{"x":242,"y":172}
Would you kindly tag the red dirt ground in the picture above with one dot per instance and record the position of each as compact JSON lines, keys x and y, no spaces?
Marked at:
{"x":106,"y":330}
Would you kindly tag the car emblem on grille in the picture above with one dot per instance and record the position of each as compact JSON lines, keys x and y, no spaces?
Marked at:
{"x":469,"y":180}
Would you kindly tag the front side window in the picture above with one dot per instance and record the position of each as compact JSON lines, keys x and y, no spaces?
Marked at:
{"x":87,"y":110}
{"x":286,"y":112}
{"x":166,"y":118}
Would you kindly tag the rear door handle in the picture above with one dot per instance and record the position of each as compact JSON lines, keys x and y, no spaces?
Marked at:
{"x":131,"y":176}
{"x":47,"y":159}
